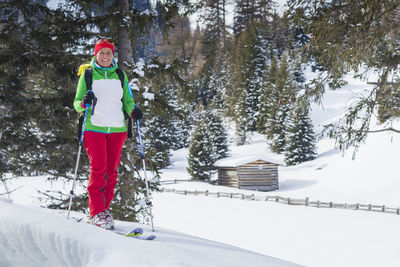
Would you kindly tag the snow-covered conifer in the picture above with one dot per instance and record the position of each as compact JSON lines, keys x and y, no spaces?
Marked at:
{"x":218,"y":134}
{"x":201,"y":153}
{"x":300,"y":138}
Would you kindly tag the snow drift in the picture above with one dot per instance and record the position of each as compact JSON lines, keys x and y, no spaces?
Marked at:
{"x":32,"y":236}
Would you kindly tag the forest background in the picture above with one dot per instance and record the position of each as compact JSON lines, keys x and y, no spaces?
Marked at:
{"x":188,"y":79}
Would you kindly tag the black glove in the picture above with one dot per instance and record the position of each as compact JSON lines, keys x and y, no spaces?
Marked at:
{"x":88,"y":98}
{"x":136,"y":114}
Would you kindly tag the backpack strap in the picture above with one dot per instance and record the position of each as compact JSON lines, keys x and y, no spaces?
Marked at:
{"x":121,"y":77}
{"x":88,"y":78}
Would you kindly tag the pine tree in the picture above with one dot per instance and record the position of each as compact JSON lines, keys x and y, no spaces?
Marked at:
{"x":220,"y":82}
{"x":241,"y":72}
{"x":179,"y":126}
{"x":249,"y":78}
{"x":158,"y":146}
{"x":256,"y":76}
{"x":201,"y":153}
{"x":269,"y":99}
{"x":300,"y":138}
{"x":277,"y":123}
{"x":218,"y":134}
{"x":246,"y":12}
{"x":214,"y":19}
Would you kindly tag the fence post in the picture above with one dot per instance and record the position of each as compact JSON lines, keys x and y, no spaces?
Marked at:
{"x":307,"y":201}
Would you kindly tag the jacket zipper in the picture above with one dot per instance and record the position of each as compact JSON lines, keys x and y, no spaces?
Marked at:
{"x":109,"y":128}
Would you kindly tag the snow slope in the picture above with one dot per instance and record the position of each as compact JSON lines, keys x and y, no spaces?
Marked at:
{"x":32,"y":236}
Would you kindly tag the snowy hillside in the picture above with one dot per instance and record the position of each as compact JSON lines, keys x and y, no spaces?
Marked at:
{"x":31,"y":236}
{"x":305,"y":235}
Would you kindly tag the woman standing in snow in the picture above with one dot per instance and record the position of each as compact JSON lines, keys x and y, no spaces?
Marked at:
{"x":105,"y":129}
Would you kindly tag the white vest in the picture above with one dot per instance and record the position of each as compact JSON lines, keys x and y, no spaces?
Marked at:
{"x":108,"y":108}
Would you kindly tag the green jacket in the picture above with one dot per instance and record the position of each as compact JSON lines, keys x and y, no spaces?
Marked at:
{"x":111,"y":100}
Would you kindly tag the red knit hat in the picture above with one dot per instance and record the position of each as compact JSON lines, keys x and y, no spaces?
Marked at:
{"x":102,"y":43}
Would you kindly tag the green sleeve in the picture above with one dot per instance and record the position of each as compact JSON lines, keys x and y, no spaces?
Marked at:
{"x":127,"y":98}
{"x":80,"y":93}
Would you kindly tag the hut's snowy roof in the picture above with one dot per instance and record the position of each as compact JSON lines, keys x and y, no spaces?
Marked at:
{"x":237,"y":161}
{"x":258,"y":149}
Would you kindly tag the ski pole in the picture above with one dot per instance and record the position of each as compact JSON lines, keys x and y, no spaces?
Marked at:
{"x":148,"y":202}
{"x":71,"y":193}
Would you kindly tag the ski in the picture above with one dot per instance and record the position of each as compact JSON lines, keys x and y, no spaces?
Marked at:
{"x":135,"y":233}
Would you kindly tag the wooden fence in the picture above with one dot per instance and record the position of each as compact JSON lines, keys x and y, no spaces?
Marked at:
{"x":289,"y":201}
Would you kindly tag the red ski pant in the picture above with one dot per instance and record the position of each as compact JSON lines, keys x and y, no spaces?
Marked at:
{"x":104,"y":153}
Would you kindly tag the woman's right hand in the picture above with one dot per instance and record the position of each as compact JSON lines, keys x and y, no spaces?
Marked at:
{"x":88,"y":98}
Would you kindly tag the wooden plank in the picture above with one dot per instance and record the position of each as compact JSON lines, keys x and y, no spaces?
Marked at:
{"x":257,"y":172}
{"x":255,"y":176}
{"x":257,"y":184}
{"x":257,"y":169}
{"x":258,"y":177}
{"x":228,"y":182}
{"x":259,"y":163}
{"x":260,"y":188}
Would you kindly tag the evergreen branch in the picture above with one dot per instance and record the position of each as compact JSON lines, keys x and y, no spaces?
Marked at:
{"x":384,"y":130}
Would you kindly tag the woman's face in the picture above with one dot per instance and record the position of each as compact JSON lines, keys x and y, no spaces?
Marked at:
{"x":104,"y":57}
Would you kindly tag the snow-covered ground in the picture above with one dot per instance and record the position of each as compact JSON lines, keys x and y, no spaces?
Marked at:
{"x":185,"y":224}
{"x":32,"y":236}
{"x":305,"y":235}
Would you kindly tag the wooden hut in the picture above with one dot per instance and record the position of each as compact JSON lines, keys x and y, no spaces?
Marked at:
{"x":259,"y":175}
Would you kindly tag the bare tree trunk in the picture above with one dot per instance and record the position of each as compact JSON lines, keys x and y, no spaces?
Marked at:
{"x":124,"y":42}
{"x":1,"y":133}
